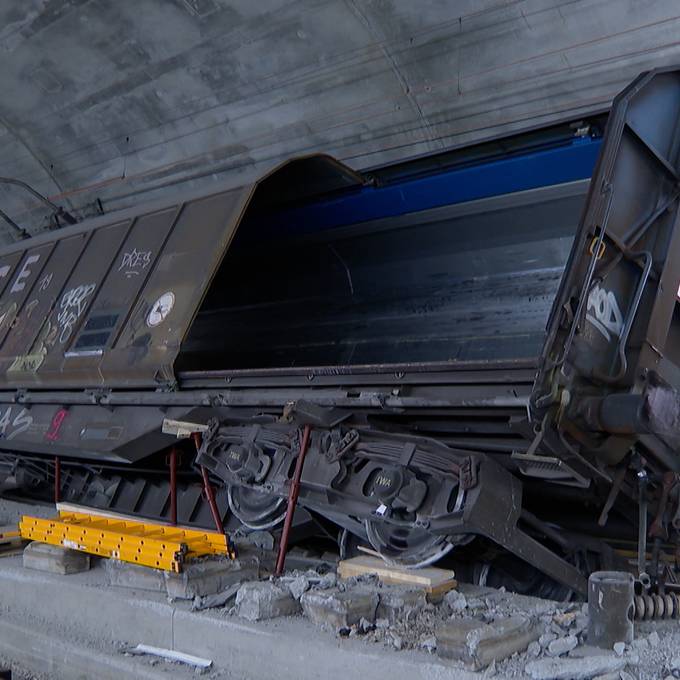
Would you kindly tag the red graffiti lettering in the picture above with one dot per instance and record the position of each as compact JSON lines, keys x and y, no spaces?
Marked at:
{"x":55,"y":426}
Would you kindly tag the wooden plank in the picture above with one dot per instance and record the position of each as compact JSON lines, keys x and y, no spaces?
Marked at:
{"x":432,"y":580}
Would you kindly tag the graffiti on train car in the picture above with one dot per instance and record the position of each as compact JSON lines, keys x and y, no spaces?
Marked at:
{"x":604,"y":312}
{"x":45,"y":281}
{"x":52,"y":433}
{"x":71,"y":307}
{"x":20,"y":280}
{"x":8,"y":316}
{"x":134,"y":262}
{"x":13,"y":423}
{"x":13,"y":311}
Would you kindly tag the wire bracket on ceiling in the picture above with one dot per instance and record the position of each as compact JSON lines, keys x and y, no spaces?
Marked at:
{"x":59,"y":214}
{"x":21,"y":232}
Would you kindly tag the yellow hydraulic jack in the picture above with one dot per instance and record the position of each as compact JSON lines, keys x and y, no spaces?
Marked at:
{"x":152,"y":545}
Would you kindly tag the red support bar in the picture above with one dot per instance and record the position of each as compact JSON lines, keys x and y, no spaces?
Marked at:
{"x":173,"y":486}
{"x":292,"y":500}
{"x":208,"y":490}
{"x":57,"y":480}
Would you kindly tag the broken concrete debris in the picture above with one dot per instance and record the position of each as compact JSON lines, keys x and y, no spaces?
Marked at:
{"x":473,"y":627}
{"x":216,"y":600}
{"x":396,"y":603}
{"x":134,"y":576}
{"x":210,"y":576}
{"x":298,"y":586}
{"x":477,"y":644}
{"x":455,"y":601}
{"x":335,"y":608}
{"x":534,"y":649}
{"x":569,"y":668}
{"x":55,"y":559}
{"x":429,"y":643}
{"x":261,"y":600}
{"x":562,"y":645}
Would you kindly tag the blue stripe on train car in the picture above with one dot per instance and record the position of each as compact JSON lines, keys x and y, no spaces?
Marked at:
{"x":519,"y":172}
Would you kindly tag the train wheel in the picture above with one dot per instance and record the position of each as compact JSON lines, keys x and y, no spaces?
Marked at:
{"x":256,"y":509}
{"x":406,"y":546}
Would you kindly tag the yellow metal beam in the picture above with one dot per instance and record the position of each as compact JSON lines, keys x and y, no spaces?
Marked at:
{"x":152,"y":545}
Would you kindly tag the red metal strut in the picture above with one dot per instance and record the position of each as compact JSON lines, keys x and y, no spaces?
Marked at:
{"x":207,"y":488}
{"x":173,"y":486}
{"x":57,"y":480}
{"x":292,"y":500}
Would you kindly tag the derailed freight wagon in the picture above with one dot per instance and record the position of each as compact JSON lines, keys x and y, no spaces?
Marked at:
{"x":486,"y":345}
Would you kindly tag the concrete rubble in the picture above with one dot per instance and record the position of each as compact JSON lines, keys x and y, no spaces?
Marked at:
{"x":261,"y":600}
{"x":473,"y":631}
{"x":395,"y":602}
{"x":474,"y":628}
{"x":54,"y":559}
{"x":574,"y":669}
{"x":200,"y":579}
{"x":210,"y":576}
{"x":339,"y":609}
{"x":478,"y":644}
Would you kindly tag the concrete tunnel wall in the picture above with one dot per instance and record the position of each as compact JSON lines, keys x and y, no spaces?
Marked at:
{"x":122,"y":101}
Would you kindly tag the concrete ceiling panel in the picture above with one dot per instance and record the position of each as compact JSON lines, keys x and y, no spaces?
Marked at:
{"x":130,"y":100}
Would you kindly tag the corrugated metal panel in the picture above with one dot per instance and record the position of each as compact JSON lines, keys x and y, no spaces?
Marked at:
{"x":111,"y":304}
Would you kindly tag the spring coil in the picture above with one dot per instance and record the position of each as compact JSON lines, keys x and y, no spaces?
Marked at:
{"x":648,"y":607}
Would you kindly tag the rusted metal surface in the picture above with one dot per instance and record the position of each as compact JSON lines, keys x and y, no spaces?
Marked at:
{"x":172,"y":463}
{"x":612,"y":328}
{"x":292,"y":500}
{"x":107,"y":305}
{"x":57,"y":480}
{"x":108,"y":302}
{"x":208,"y":489}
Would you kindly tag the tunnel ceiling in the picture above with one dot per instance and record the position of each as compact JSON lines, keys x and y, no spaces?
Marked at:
{"x":104,"y":104}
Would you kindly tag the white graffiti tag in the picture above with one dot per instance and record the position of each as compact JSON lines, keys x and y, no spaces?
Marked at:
{"x":135,"y":261}
{"x":604,"y":313}
{"x":44,"y":283}
{"x":13,"y":427}
{"x":72,"y":305}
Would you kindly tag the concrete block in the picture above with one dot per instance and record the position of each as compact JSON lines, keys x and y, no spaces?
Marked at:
{"x":11,"y":543}
{"x":264,"y":600}
{"x":562,"y":645}
{"x":570,"y":668}
{"x":217,"y":600}
{"x":455,"y":601}
{"x":396,"y":602}
{"x":207,"y":577}
{"x":134,"y":576}
{"x":477,"y":644}
{"x":337,"y":609}
{"x":297,"y":585}
{"x":55,"y":559}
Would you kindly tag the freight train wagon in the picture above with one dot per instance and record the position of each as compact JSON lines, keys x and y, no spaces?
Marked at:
{"x":483,"y":347}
